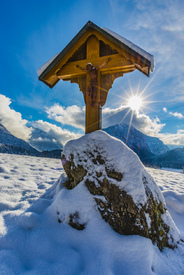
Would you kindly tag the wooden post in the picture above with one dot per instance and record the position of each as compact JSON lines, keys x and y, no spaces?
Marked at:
{"x":92,"y":112}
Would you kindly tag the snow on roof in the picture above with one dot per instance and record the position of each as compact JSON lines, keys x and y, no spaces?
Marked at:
{"x":134,"y":47}
{"x":45,"y":65}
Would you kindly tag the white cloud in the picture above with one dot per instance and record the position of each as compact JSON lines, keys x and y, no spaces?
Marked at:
{"x":59,"y":134}
{"x":72,"y":115}
{"x":169,"y":13}
{"x":178,"y":115}
{"x":160,"y":25}
{"x":175,"y":114}
{"x":12,"y":120}
{"x":141,"y":122}
{"x":173,"y":139}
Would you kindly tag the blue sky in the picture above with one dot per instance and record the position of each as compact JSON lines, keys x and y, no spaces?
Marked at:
{"x":34,"y":31}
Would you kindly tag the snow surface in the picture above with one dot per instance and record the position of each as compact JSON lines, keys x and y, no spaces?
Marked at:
{"x":134,"y":47}
{"x":32,"y":241}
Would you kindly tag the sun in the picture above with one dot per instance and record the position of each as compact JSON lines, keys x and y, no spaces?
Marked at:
{"x":135,"y":103}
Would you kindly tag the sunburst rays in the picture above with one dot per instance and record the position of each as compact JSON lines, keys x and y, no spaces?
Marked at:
{"x":135,"y":101}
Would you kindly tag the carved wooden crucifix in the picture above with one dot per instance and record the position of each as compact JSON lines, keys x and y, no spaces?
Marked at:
{"x":93,"y":84}
{"x":94,"y":59}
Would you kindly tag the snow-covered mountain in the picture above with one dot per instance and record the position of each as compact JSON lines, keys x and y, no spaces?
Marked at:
{"x":146,"y":147}
{"x":44,"y":141}
{"x":173,"y":159}
{"x":12,"y":145}
{"x":151,"y":150}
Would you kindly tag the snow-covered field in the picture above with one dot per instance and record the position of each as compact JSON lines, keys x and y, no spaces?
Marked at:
{"x":32,"y":241}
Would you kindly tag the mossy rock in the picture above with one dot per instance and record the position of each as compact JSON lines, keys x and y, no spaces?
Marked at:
{"x":108,"y":183}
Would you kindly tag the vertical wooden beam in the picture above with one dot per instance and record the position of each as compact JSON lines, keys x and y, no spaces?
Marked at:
{"x":92,"y":112}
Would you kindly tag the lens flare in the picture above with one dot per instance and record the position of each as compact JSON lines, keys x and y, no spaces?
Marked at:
{"x":135,"y":103}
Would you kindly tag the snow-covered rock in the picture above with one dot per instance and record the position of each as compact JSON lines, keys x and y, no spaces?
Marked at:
{"x":118,"y":187}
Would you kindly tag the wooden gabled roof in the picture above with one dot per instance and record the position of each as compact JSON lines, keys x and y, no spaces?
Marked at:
{"x":141,"y":59}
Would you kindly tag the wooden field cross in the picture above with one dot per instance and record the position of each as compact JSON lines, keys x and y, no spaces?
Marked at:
{"x":93,"y":59}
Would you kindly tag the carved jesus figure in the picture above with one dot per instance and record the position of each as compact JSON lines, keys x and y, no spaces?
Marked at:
{"x":93,"y":78}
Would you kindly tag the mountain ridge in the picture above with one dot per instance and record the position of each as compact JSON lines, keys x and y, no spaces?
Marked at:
{"x":172,"y":159}
{"x":12,"y":145}
{"x":44,"y":141}
{"x":151,"y":150}
{"x":146,"y":147}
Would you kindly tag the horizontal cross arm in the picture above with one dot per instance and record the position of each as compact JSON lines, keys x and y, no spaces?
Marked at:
{"x":117,"y":63}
